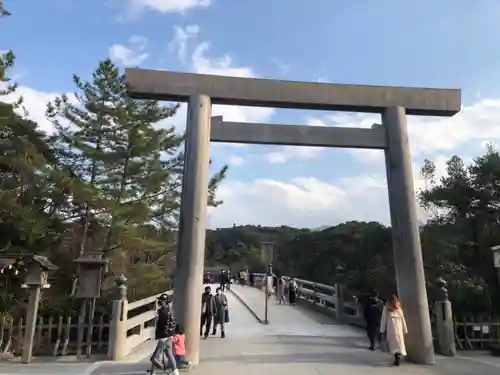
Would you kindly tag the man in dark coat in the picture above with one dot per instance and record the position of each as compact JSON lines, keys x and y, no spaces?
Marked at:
{"x":223,"y":279}
{"x":373,"y":314}
{"x":207,"y":311}
{"x":251,"y":279}
{"x":164,"y":333}
{"x":221,"y":312}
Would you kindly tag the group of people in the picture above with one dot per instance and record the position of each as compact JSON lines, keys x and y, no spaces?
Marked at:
{"x":225,"y":280}
{"x":170,"y":350}
{"x":385,"y":324}
{"x":285,"y":290}
{"x":214,"y":310}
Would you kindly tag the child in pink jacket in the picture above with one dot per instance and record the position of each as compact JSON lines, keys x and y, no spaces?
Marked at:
{"x":180,"y":347}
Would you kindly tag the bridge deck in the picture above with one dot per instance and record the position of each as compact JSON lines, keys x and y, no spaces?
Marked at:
{"x":296,"y":342}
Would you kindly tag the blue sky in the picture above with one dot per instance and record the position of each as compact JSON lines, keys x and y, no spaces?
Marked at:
{"x":441,"y":43}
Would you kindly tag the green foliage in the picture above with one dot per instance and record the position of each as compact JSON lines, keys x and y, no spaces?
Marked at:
{"x":463,"y":228}
{"x":239,"y":247}
{"x":109,"y":180}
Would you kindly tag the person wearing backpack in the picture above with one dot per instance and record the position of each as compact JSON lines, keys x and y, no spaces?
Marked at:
{"x":163,"y":356}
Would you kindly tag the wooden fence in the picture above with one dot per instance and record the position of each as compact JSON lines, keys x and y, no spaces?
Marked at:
{"x":471,"y":334}
{"x":55,"y":336}
{"x":59,"y":336}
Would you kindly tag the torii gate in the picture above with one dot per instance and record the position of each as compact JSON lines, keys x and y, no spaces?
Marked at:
{"x":393,"y":103}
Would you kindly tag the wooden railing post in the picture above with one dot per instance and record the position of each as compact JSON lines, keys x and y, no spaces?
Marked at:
{"x":117,"y":345}
{"x":31,"y":319}
{"x":444,"y":322}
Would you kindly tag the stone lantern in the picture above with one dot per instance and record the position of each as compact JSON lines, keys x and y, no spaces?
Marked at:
{"x":445,"y":330}
{"x":37,"y":268}
{"x":91,"y":267}
{"x":90,"y":270}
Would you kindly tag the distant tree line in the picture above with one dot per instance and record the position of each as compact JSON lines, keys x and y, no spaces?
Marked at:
{"x":463,"y":225}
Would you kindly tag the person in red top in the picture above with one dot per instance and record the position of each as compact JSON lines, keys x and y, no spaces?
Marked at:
{"x":180,"y":347}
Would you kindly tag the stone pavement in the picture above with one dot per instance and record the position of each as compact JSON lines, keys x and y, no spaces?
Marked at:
{"x":49,"y":367}
{"x":313,"y":342}
{"x":294,"y":320}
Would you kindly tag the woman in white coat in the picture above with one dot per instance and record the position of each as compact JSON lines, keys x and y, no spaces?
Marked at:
{"x":393,"y":325}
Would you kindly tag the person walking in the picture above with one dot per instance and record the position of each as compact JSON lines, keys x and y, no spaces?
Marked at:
{"x":241,"y":276}
{"x":280,"y":291}
{"x":223,"y":279}
{"x":229,"y":279}
{"x":207,"y":311}
{"x":221,"y":312}
{"x":163,"y":356}
{"x":393,"y":327}
{"x":251,"y":279}
{"x":180,"y":348}
{"x":293,"y":291}
{"x":373,"y":315}
{"x":287,"y":290}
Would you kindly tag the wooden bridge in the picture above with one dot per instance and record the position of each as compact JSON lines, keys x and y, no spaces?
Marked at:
{"x":321,"y":334}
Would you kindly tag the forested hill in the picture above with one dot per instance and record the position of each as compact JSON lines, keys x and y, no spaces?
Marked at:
{"x":310,"y":254}
{"x":239,"y":246}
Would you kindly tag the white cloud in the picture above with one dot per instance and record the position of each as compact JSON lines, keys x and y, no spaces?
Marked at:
{"x":224,"y":66}
{"x":293,"y":153}
{"x":311,"y":202}
{"x":430,"y":135}
{"x":221,"y":66}
{"x":182,"y":36}
{"x":35,"y":102}
{"x":168,"y":6}
{"x":133,"y":54}
{"x":368,"y":156}
{"x":301,"y":202}
{"x":236,"y":161}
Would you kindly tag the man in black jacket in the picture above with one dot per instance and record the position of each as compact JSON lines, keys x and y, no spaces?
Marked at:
{"x":207,"y":311}
{"x":373,"y":315}
{"x":223,"y":279}
{"x":164,"y":333}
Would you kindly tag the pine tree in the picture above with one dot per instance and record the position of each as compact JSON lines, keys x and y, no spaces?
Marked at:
{"x":133,"y":167}
{"x":23,"y":157}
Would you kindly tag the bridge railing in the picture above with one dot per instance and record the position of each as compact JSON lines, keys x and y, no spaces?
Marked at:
{"x":132,"y":323}
{"x":327,"y":299}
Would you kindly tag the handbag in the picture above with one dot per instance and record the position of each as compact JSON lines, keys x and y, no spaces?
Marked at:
{"x":226,"y":316}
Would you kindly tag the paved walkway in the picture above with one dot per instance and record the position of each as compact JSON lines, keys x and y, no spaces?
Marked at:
{"x":293,"y":320}
{"x":296,"y":342}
